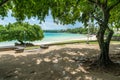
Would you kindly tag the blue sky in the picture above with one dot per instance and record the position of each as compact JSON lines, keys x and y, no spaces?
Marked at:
{"x":47,"y":25}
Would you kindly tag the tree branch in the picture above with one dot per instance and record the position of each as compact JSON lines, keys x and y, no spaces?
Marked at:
{"x":3,"y":2}
{"x":92,"y":1}
{"x":106,"y":1}
{"x":97,"y":2}
{"x":97,"y":19}
{"x":77,"y":2}
{"x":111,"y":7}
{"x":109,"y":35}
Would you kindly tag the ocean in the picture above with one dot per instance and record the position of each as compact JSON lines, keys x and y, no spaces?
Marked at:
{"x":51,"y":38}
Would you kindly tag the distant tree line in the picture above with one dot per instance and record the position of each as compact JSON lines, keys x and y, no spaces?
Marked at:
{"x":80,"y":30}
{"x":54,"y":31}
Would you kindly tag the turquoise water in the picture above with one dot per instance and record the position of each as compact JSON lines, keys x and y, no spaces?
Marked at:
{"x":51,"y":38}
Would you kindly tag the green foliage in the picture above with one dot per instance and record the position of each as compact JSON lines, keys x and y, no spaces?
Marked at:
{"x":4,"y":8}
{"x":78,"y":30}
{"x":21,"y":32}
{"x":115,"y":18}
{"x":118,"y":35}
{"x":3,"y":30}
{"x":30,"y":8}
{"x":63,"y":11}
{"x":82,"y":30}
{"x":58,"y":9}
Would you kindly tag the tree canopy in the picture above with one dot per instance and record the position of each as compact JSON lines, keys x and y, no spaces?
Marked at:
{"x":21,"y":31}
{"x":76,"y":10}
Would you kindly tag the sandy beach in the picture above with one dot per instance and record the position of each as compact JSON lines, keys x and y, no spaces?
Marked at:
{"x":90,"y":38}
{"x":56,"y":63}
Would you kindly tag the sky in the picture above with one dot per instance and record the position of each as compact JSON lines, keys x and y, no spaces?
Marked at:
{"x":47,"y":25}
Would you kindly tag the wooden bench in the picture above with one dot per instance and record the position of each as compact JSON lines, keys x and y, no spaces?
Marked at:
{"x":19,"y":49}
{"x":44,"y":46}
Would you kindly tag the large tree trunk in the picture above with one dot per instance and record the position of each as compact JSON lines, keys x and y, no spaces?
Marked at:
{"x":104,"y":41}
{"x":104,"y":59}
{"x":103,"y":20}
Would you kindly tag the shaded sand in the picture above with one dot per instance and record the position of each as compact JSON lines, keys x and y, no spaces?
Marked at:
{"x":56,"y":63}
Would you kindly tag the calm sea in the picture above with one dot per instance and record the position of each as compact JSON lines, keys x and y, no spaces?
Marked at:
{"x":51,"y":38}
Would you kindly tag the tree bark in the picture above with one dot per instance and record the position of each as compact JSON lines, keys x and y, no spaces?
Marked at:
{"x":104,"y":59}
{"x":104,"y":42}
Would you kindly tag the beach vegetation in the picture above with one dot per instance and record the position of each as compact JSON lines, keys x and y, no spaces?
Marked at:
{"x":117,"y":35}
{"x":21,"y":31}
{"x":82,"y":30}
{"x":79,"y":30}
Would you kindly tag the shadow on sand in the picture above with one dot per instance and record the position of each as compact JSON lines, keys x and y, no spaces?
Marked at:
{"x":54,"y":65}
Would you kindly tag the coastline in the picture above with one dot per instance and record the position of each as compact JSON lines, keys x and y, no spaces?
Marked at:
{"x":91,"y":38}
{"x":48,"y":42}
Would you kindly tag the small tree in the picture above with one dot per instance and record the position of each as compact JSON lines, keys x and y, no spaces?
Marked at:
{"x":21,"y":32}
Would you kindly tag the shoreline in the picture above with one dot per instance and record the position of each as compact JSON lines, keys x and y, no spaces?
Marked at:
{"x":93,"y":37}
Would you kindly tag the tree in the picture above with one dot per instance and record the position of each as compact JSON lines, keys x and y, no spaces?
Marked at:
{"x":21,"y":32}
{"x":70,"y":11}
{"x":89,"y":10}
